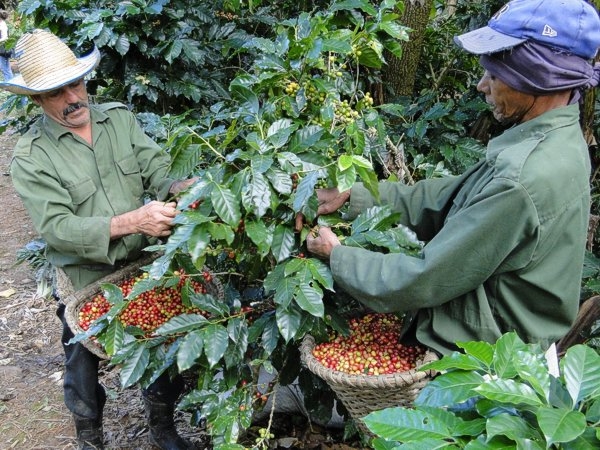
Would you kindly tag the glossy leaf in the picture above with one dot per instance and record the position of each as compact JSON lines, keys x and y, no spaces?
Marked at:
{"x":190,"y":350}
{"x":561,"y":425}
{"x":134,"y":366}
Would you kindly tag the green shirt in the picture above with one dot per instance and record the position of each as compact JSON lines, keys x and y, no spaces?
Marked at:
{"x":71,"y":189}
{"x":504,"y":242}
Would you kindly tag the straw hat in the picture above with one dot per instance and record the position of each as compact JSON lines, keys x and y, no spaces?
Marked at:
{"x":46,"y":63}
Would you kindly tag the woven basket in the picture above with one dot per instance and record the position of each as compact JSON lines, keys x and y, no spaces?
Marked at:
{"x":363,"y":394}
{"x":74,"y":300}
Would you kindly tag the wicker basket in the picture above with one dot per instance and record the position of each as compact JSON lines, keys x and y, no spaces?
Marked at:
{"x":362,"y":394}
{"x":74,"y":300}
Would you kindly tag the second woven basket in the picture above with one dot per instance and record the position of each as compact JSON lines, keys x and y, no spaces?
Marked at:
{"x":363,"y":394}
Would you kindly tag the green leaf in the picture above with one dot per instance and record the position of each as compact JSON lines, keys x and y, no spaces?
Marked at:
{"x":370,"y":180}
{"x":533,"y":369}
{"x":580,"y":369}
{"x":260,"y":163}
{"x":509,"y":391}
{"x":507,"y":347}
{"x":449,"y":389}
{"x":270,"y":335}
{"x":456,"y":360}
{"x":280,"y":181}
{"x":261,"y":236}
{"x":513,"y":427}
{"x":226,"y":205}
{"x":181,"y":324}
{"x":407,"y":425}
{"x":190,"y":350}
{"x":337,"y":46}
{"x":122,"y":45}
{"x":248,"y":98}
{"x":481,"y":351}
{"x":257,"y":195}
{"x":216,"y":339}
{"x":360,"y":161}
{"x":279,"y":132}
{"x":305,"y":190}
{"x":198,"y":241}
{"x":345,"y":162}
{"x":346,"y":179}
{"x":113,"y":337}
{"x":561,"y":425}
{"x":288,"y":322}
{"x":220,"y":232}
{"x":310,"y":299}
{"x":283,"y":242}
{"x":134,"y":366}
{"x":321,"y":273}
{"x":143,"y":285}
{"x":305,"y":138}
{"x":284,"y":291}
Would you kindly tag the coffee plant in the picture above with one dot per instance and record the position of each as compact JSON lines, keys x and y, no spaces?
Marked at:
{"x":497,"y":396}
{"x":299,"y":119}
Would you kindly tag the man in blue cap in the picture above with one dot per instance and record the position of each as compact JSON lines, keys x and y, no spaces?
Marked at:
{"x":505,"y":241}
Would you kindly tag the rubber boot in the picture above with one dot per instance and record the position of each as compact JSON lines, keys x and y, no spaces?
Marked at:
{"x":163,"y":433}
{"x":89,"y":433}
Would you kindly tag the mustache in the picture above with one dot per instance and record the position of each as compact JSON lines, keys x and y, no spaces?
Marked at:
{"x":74,"y":107}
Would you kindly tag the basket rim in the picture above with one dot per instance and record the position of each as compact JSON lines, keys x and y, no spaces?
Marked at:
{"x":364,"y":381}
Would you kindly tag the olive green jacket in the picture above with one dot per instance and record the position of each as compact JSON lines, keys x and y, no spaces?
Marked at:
{"x":71,"y":190}
{"x":504,"y":242}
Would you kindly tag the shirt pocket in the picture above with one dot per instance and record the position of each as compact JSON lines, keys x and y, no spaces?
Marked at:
{"x":81,"y":191}
{"x":130,"y":172}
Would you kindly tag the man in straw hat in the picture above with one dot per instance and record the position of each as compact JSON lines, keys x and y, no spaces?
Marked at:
{"x":505,"y":241}
{"x":82,"y":171}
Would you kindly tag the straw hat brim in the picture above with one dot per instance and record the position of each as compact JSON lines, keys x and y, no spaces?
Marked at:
{"x":85,"y":65}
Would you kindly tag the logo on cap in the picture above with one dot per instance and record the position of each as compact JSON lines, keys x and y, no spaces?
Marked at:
{"x":501,"y":11}
{"x":549,"y":31}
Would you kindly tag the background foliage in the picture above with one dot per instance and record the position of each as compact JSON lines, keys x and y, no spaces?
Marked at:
{"x":267,"y":101}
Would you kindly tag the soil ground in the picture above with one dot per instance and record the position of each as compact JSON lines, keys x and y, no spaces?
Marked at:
{"x":32,"y":413}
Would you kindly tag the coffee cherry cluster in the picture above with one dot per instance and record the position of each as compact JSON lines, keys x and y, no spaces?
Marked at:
{"x":148,"y":310}
{"x":344,"y":112}
{"x":371,"y":348}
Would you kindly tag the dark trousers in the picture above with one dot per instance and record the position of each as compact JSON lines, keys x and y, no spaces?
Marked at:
{"x":84,"y":395}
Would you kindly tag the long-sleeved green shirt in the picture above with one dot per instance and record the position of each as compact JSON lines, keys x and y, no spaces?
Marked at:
{"x":504,"y":242}
{"x":71,"y":190}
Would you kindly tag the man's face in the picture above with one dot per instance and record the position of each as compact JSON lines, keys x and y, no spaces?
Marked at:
{"x":508,"y":105}
{"x":68,"y":105}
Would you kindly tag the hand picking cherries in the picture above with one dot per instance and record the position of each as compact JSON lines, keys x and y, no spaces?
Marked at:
{"x":371,"y":348}
{"x":149,"y":310}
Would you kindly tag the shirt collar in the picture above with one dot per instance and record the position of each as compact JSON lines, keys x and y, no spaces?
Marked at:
{"x":535,"y":128}
{"x":55,"y":130}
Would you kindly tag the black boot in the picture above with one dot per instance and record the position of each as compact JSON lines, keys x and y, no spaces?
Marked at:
{"x":162,"y":426}
{"x":89,"y":433}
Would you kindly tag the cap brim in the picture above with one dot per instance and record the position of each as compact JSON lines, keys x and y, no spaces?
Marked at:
{"x":486,"y":40}
{"x":85,"y":65}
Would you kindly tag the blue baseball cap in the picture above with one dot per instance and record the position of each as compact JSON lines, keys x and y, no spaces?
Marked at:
{"x":569,"y":25}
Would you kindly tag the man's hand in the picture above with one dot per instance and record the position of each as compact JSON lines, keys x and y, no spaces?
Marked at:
{"x":153,"y":219}
{"x":321,"y":242}
{"x":181,"y":185}
{"x":330,"y":200}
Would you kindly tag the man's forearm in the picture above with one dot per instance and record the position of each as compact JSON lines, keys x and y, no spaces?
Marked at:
{"x":123,"y":225}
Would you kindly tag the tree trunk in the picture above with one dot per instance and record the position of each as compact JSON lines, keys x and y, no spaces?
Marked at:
{"x":399,"y":74}
{"x":589,"y":100}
